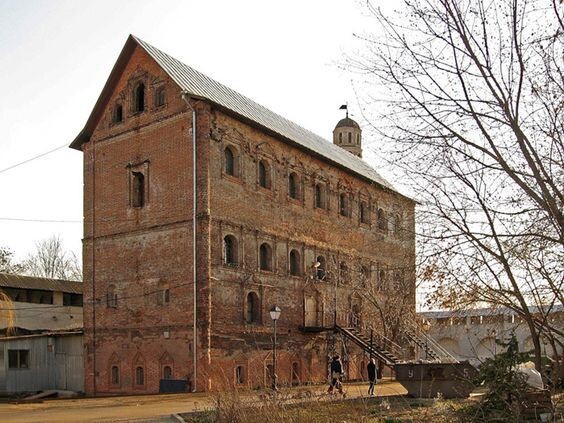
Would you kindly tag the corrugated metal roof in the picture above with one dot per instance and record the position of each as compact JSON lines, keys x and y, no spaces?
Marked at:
{"x":200,"y":85}
{"x":9,"y":280}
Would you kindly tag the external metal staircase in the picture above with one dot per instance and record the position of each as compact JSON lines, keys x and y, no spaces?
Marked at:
{"x":432,"y":349}
{"x":372,"y":348}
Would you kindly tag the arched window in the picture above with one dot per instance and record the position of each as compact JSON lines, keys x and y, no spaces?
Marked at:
{"x":293,"y":186}
{"x":382,"y":224}
{"x":295,"y":267}
{"x":118,"y":113}
{"x":265,"y":257}
{"x":138,"y":190}
{"x":230,"y":162}
{"x":252,"y":312}
{"x":139,"y":376}
{"x":344,"y":204}
{"x":344,"y":272}
{"x":112,"y":298}
{"x":230,"y":250}
{"x":167,"y":372}
{"x":358,"y":139}
{"x":321,"y":271}
{"x":340,"y":137}
{"x":114,"y":375}
{"x":160,"y":97}
{"x":364,"y":214}
{"x":139,"y":97}
{"x":350,"y":135}
{"x":264,"y":174}
{"x":319,"y":196}
{"x":163,"y":293}
{"x":239,"y":375}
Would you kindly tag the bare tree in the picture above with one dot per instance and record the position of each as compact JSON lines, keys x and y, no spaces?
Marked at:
{"x":7,"y":264}
{"x":51,"y":260}
{"x":473,"y":97}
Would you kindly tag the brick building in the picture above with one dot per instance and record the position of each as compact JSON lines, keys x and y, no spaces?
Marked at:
{"x":282,"y":217}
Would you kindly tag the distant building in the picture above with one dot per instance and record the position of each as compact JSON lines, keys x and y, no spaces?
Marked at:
{"x":471,"y":334}
{"x":283,"y":217}
{"x":44,"y":348}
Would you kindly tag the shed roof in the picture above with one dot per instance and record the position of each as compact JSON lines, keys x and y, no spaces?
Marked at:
{"x":10,"y":280}
{"x":199,"y":85}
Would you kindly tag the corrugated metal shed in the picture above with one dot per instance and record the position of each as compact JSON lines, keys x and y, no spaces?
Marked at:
{"x":200,"y":85}
{"x":8,"y":280}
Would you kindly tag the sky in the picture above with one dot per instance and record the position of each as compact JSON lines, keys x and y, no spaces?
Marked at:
{"x":56,"y":55}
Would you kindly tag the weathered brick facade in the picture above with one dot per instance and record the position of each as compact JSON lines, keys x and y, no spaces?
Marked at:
{"x":138,"y":308}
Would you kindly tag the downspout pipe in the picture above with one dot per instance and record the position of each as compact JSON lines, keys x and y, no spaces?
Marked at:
{"x":186,"y":98}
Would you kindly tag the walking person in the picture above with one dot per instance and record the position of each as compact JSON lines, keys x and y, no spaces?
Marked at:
{"x":336,"y":374}
{"x":372,"y":376}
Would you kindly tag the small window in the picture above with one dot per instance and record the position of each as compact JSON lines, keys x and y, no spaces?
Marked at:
{"x":18,"y":359}
{"x":252,"y":311}
{"x":358,"y":139}
{"x":320,"y":196}
{"x":321,"y":271}
{"x":340,"y":137}
{"x":265,"y":253}
{"x":239,"y":375}
{"x":160,"y":97}
{"x":382,"y":279}
{"x":139,"y":376}
{"x":139,"y":98}
{"x":230,"y":165}
{"x":382,"y":223}
{"x":293,"y":186}
{"x":118,"y":113}
{"x":344,"y":205}
{"x":350,"y":136}
{"x":230,"y":253}
{"x":112,"y":297}
{"x":364,"y":215}
{"x":295,"y":265}
{"x":264,"y":174}
{"x":163,"y":294}
{"x":397,"y":225}
{"x":167,"y":372}
{"x":344,"y":272}
{"x":115,"y":375}
{"x":138,"y":189}
{"x":364,"y":275}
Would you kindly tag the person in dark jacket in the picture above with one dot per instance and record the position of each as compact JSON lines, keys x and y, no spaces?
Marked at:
{"x":372,"y":378}
{"x":336,"y":374}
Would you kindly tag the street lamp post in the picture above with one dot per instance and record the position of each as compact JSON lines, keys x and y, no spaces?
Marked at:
{"x":274,"y":315}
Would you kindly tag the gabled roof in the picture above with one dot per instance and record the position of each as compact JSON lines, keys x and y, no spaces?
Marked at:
{"x":200,"y":85}
{"x":10,"y":280}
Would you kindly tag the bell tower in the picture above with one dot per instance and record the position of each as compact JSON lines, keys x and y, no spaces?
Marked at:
{"x":347,"y":135}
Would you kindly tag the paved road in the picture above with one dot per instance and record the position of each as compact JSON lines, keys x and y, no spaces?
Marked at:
{"x":141,"y":408}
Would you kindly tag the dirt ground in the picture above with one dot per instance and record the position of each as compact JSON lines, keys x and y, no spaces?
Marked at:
{"x":144,"y":408}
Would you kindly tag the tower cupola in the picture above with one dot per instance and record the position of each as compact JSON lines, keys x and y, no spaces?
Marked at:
{"x":347,"y":135}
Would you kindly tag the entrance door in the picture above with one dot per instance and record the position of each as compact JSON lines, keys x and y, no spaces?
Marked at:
{"x":310,"y":312}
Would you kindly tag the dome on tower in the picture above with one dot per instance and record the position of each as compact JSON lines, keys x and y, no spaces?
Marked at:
{"x":347,"y":123}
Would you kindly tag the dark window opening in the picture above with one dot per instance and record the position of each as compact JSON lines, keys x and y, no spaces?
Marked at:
{"x":265,"y":253}
{"x":72,"y":299}
{"x":115,"y":375}
{"x":138,"y":190}
{"x":364,"y":216}
{"x":160,"y":97}
{"x":230,"y":250}
{"x":350,"y":135}
{"x":344,"y":271}
{"x":295,"y":268}
{"x":18,"y":359}
{"x":253,"y":307}
{"x":118,"y":114}
{"x":293,"y":189}
{"x":295,"y":374}
{"x":167,"y":372}
{"x":382,"y":224}
{"x":229,"y":162}
{"x":340,"y":137}
{"x":319,"y":197}
{"x":264,"y":175}
{"x":239,"y":375}
{"x":344,"y":205}
{"x":139,"y":376}
{"x":321,"y":271}
{"x":139,"y":96}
